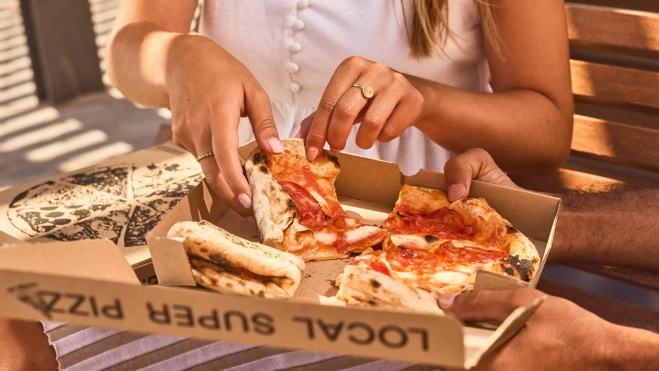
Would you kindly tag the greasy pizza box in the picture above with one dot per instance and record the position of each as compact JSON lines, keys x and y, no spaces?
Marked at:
{"x":119,"y":199}
{"x":366,"y":188}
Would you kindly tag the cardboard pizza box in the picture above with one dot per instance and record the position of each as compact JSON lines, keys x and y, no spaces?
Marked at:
{"x":368,"y":189}
{"x":90,"y":283}
{"x":119,"y":199}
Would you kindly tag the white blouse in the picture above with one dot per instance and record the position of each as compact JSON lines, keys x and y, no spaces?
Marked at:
{"x":293,"y":47}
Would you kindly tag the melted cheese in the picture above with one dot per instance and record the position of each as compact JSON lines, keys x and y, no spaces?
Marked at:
{"x":360,"y":233}
{"x":321,"y":200}
{"x":409,"y":240}
{"x":450,"y":277}
{"x":325,"y":237}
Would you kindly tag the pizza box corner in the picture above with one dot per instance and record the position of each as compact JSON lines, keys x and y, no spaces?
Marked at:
{"x":88,"y":283}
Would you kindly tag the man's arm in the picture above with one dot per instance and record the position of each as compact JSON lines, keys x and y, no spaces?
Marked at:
{"x":616,"y":225}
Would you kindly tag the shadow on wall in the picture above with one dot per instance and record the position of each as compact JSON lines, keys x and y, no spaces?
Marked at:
{"x":38,"y":140}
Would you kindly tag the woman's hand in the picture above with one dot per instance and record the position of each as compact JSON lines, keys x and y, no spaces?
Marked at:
{"x":394,"y":106}
{"x":209,"y":91}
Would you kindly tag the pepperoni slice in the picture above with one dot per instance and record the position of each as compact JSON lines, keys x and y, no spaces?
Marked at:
{"x":445,"y":223}
{"x":445,"y":257}
{"x":311,"y":215}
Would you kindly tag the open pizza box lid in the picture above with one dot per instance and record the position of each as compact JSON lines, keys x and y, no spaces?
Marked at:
{"x":119,"y":199}
{"x":366,"y":188}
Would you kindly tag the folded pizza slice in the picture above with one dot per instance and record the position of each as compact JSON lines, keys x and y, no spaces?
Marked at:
{"x":296,"y":206}
{"x":438,"y":246}
{"x":226,"y":263}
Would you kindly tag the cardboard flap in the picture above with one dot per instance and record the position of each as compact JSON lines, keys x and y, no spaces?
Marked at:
{"x":95,"y":259}
{"x":515,"y":321}
{"x":168,"y":256}
{"x":7,"y":239}
{"x":492,"y":281}
{"x":363,"y":332}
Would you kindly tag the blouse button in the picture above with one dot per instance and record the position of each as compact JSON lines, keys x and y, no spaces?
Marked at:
{"x":295,"y":47}
{"x":298,"y":25}
{"x":293,"y":67}
{"x":295,"y":87}
{"x":303,"y":4}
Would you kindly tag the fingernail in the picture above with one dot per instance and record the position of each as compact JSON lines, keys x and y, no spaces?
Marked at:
{"x":275,"y":145}
{"x":312,"y":152}
{"x":446,"y":300}
{"x":456,"y":191}
{"x":335,"y":150}
{"x":245,"y":200}
{"x":251,"y":219}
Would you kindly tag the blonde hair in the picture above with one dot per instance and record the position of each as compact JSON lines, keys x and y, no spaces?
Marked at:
{"x":428,"y":30}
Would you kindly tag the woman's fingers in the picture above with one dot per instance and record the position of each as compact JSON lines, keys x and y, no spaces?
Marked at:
{"x":376,"y":116}
{"x":345,"y":75}
{"x":224,"y":143}
{"x":257,"y":109}
{"x":344,"y":117}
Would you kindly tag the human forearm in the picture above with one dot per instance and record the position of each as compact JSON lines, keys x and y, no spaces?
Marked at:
{"x":137,"y":62}
{"x":614,"y":226}
{"x":522,"y":129}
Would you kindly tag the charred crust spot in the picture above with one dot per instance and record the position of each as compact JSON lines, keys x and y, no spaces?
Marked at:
{"x":401,"y":247}
{"x":230,"y":285}
{"x":263,"y":169}
{"x":203,"y":249}
{"x":523,"y":267}
{"x":512,"y":229}
{"x":260,"y":158}
{"x":430,"y":238}
{"x":219,"y":259}
{"x":261,"y":293}
{"x":375,"y":284}
{"x":213,"y":280}
{"x":371,"y":302}
{"x":351,"y":276}
{"x":334,"y":159}
{"x":291,"y":204}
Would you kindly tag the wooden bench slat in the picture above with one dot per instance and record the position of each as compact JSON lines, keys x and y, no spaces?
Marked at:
{"x":614,"y":27}
{"x":636,"y":116}
{"x":612,"y":84}
{"x":612,"y":310}
{"x":616,"y":142}
{"x":648,"y":280}
{"x":560,"y":181}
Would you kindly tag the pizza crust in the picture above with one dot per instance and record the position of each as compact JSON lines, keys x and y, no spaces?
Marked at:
{"x":274,"y":209}
{"x":361,"y":286}
{"x":271,"y":273}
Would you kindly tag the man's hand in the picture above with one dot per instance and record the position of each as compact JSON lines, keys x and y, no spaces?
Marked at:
{"x":559,"y":336}
{"x":472,"y":164}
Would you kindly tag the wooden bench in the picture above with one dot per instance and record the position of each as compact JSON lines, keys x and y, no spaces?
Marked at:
{"x":615,"y":80}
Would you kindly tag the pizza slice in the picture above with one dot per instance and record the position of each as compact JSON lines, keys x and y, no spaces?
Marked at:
{"x":226,"y":263}
{"x":296,"y":206}
{"x":438,"y":246}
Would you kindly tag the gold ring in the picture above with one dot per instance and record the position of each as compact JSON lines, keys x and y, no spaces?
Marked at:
{"x":367,"y":90}
{"x":204,"y":155}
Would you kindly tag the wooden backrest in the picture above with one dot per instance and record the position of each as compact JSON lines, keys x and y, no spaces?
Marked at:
{"x":615,"y":81}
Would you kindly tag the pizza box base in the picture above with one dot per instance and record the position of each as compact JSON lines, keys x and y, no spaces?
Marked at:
{"x":368,"y":189}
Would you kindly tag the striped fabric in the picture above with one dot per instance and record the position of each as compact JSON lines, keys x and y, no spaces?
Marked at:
{"x":88,"y":349}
